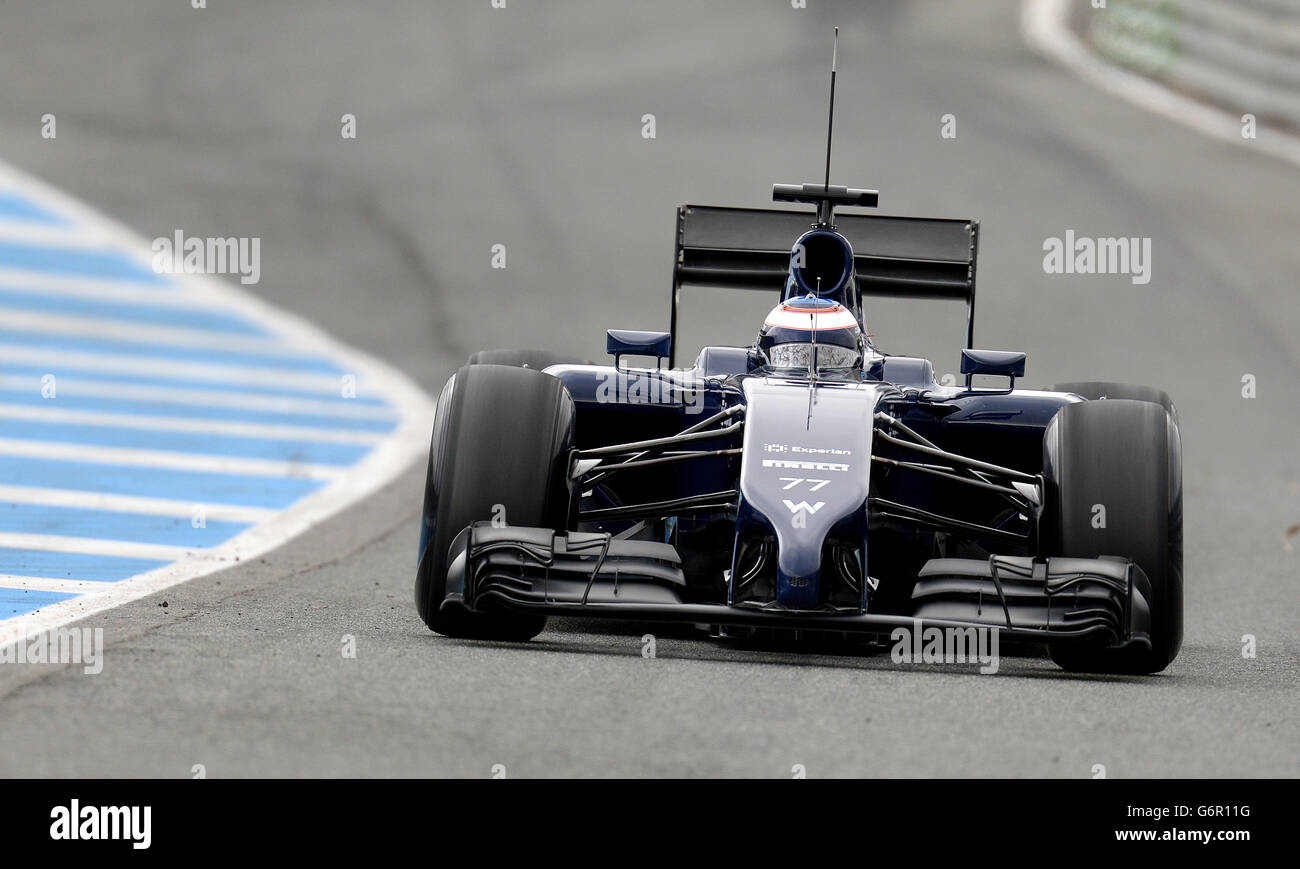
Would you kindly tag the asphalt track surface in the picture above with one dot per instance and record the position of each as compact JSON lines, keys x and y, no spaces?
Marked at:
{"x":523,"y":127}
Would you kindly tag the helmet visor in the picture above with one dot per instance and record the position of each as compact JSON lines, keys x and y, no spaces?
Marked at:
{"x":799,"y":355}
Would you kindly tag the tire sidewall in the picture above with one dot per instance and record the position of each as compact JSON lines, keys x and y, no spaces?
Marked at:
{"x":499,"y":452}
{"x":1123,"y":456}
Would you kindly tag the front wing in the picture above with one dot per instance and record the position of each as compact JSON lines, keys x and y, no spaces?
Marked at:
{"x":585,"y":575}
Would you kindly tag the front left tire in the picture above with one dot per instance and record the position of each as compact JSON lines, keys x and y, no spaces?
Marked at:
{"x":1123,"y":457}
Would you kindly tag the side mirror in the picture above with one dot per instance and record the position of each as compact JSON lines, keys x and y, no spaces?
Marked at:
{"x":1008,"y":363}
{"x":620,"y":342}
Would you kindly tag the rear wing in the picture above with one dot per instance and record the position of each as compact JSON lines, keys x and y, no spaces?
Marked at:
{"x":749,"y":248}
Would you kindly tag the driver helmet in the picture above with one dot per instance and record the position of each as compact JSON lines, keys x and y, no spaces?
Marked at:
{"x":797,"y":325}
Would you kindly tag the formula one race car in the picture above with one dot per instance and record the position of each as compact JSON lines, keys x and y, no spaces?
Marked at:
{"x":807,"y":483}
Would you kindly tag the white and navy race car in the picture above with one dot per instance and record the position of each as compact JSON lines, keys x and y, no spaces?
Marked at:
{"x":807,"y":483}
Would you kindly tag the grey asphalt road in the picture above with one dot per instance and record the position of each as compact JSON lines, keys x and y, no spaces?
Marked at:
{"x":523,"y":127}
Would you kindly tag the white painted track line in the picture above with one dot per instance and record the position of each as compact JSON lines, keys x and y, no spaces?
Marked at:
{"x":95,"y":546}
{"x":131,"y":504}
{"x":288,"y":378}
{"x":75,"y":286}
{"x":40,"y":583}
{"x":142,"y":333}
{"x":204,"y":398}
{"x":53,"y":235}
{"x":1044,"y":25}
{"x":168,"y":460}
{"x":184,"y":424}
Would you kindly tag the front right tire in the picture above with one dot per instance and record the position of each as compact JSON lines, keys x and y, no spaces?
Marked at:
{"x":500,"y":450}
{"x":535,"y":359}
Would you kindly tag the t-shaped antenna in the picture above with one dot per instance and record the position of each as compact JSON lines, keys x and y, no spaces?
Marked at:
{"x":824,"y":208}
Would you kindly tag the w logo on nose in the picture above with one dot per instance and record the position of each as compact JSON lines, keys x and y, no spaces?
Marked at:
{"x":803,"y":506}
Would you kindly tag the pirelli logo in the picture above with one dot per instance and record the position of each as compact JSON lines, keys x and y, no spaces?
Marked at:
{"x":796,"y":465}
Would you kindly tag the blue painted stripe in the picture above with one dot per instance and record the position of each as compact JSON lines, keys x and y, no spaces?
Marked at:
{"x":73,"y":565}
{"x":70,"y":401}
{"x":83,"y":344}
{"x":161,"y":379}
{"x":80,"y":261}
{"x":121,"y":320}
{"x":16,"y":207}
{"x":111,"y":525}
{"x":20,"y":601}
{"x":184,"y":442}
{"x":133,"y":312}
{"x":234,"y":489}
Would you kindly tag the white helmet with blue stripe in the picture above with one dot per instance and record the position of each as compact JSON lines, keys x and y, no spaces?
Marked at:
{"x":800,"y":327}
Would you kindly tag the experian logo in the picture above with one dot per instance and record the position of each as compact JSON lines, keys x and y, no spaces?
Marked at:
{"x":821,"y":451}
